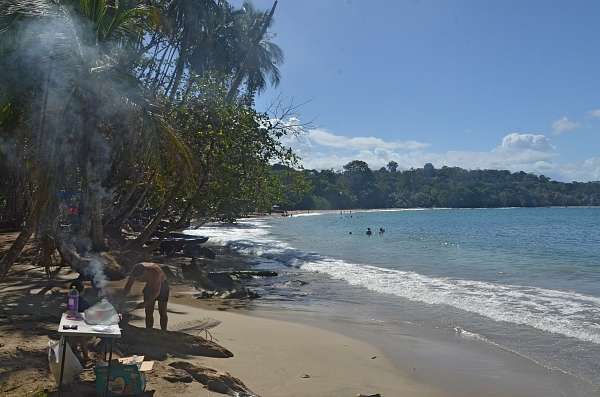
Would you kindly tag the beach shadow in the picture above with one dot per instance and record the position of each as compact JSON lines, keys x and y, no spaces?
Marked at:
{"x":158,"y":345}
{"x":30,"y":314}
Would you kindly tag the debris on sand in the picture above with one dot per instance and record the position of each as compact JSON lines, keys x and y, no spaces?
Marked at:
{"x":219,"y":382}
{"x":175,"y":375}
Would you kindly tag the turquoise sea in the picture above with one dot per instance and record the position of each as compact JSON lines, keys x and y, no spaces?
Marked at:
{"x":524,"y":280}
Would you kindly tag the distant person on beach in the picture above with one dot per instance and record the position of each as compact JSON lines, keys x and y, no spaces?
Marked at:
{"x":381,"y":231}
{"x":156,"y":289}
{"x":369,"y":232}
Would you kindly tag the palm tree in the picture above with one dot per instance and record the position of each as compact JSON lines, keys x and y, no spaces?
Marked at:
{"x":188,"y":20}
{"x":78,"y":55}
{"x":260,"y":58}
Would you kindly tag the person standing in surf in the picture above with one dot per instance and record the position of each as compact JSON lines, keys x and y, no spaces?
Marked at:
{"x":156,"y":289}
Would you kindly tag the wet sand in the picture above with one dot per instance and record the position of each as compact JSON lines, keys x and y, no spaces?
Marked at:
{"x":273,"y":348}
{"x":458,"y":366}
{"x":281,"y":358}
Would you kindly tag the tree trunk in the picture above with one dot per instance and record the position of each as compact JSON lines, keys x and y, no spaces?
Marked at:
{"x":166,"y":72}
{"x":46,"y":257}
{"x":153,"y":225}
{"x":17,"y":247}
{"x":117,"y":222}
{"x":184,"y":218}
{"x":187,"y":212}
{"x":174,"y":84}
{"x":90,"y":264}
{"x":96,"y":227}
{"x":159,"y":68}
{"x":124,"y":204}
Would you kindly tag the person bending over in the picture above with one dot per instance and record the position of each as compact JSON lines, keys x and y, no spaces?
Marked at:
{"x":156,"y":289}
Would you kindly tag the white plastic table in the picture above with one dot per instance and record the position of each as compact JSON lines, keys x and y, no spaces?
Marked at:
{"x":110,"y":333}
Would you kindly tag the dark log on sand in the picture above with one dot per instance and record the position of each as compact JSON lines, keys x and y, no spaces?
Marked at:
{"x":246,"y":274}
{"x":179,"y":235}
{"x":88,"y":265}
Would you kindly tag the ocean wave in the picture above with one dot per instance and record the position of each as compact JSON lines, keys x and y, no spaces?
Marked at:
{"x":561,"y":312}
{"x":308,"y":214}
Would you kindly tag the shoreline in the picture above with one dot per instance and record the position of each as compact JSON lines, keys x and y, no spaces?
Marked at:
{"x":274,"y":348}
{"x":458,"y":366}
{"x":396,"y":209}
{"x":462,"y":365}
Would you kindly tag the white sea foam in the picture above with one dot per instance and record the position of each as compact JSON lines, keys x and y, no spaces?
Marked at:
{"x":463,"y":333}
{"x":309,"y":214}
{"x":561,"y":312}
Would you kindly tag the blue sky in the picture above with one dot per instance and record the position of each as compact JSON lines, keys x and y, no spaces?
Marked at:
{"x":477,"y":84}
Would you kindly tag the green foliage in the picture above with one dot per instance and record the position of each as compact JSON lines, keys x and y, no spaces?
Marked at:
{"x":138,"y":113}
{"x":233,"y":147}
{"x":359,"y":187}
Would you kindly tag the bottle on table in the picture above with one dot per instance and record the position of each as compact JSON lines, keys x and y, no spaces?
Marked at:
{"x":73,"y":301}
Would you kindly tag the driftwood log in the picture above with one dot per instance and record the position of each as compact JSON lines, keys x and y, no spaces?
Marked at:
{"x":246,"y":274}
{"x":87,"y":265}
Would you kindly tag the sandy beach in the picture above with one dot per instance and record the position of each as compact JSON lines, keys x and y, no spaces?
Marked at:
{"x":275,"y":352}
{"x":280,"y":358}
{"x":271,"y":357}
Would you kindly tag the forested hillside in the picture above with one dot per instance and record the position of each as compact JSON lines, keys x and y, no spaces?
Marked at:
{"x":357,"y":186}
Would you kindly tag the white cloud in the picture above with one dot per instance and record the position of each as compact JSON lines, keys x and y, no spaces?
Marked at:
{"x":586,"y":170}
{"x":516,"y":152}
{"x":325,"y":138}
{"x":594,"y":113}
{"x":516,"y":141}
{"x":563,"y":125}
{"x":321,"y":149}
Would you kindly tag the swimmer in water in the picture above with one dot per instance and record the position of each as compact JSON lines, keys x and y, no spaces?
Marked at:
{"x":381,"y":230}
{"x":369,"y":232}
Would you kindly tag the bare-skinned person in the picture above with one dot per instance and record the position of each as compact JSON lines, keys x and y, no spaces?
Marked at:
{"x":156,"y":289}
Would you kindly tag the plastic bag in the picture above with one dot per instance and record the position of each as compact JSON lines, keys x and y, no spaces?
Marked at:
{"x":72,"y":365}
{"x":102,"y":313}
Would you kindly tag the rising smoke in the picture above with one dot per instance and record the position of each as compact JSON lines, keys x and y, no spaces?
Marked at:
{"x":54,"y":67}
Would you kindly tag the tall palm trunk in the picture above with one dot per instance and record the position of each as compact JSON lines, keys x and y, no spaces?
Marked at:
{"x":91,"y":199}
{"x":96,"y":226}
